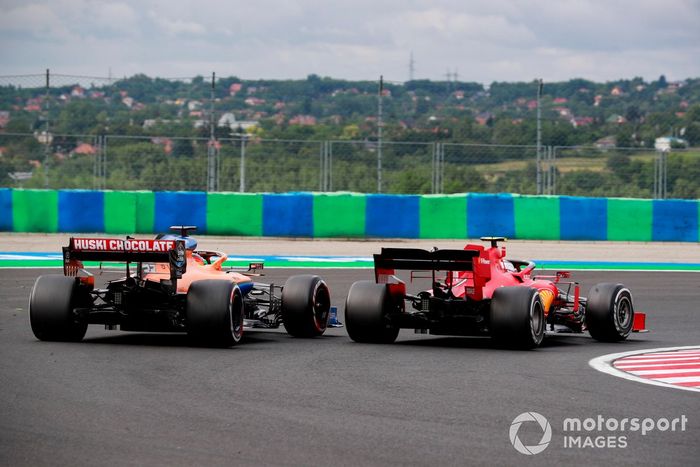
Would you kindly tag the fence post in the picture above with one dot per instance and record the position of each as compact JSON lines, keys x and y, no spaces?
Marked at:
{"x":433,"y":183}
{"x":379,"y":135}
{"x":322,"y":166}
{"x":212,"y":150}
{"x":329,"y":168}
{"x":660,"y":174}
{"x":241,"y":187}
{"x":47,"y":136}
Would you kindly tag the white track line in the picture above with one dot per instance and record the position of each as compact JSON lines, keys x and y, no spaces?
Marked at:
{"x":604,"y":365}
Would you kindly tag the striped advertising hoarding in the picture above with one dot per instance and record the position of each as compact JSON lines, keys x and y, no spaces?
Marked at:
{"x":352,"y":215}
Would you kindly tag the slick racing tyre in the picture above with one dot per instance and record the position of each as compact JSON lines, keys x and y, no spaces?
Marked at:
{"x":517,"y":317}
{"x":214,"y":313}
{"x":51,"y":305}
{"x":366,"y":313}
{"x":306,"y":303}
{"x":609,"y":312}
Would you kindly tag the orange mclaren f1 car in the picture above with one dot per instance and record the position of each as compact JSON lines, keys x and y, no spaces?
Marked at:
{"x":171,"y":286}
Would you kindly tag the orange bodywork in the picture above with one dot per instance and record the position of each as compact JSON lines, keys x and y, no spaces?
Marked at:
{"x":199,"y":268}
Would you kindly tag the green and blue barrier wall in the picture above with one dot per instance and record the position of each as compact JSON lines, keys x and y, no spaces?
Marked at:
{"x":323,"y":215}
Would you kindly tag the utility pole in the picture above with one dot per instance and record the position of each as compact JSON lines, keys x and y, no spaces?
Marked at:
{"x":539,"y":137}
{"x":411,"y":68}
{"x":47,"y":135}
{"x":212,"y":159}
{"x":379,"y":134}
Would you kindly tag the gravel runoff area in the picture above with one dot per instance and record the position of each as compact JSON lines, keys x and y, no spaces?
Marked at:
{"x":671,"y":252}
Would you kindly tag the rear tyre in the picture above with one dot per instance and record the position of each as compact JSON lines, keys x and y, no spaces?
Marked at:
{"x":306,"y":304}
{"x":366,"y":313}
{"x":609,"y":312}
{"x":214,"y":313}
{"x":517,"y":317}
{"x":51,"y":305}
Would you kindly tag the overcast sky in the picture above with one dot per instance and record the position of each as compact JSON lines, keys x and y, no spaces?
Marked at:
{"x":481,"y":40}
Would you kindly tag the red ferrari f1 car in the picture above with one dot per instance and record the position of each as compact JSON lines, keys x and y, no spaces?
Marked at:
{"x":478,"y":292}
{"x":171,"y":286}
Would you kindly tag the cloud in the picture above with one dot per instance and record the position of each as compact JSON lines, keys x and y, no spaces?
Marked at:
{"x":506,"y":40}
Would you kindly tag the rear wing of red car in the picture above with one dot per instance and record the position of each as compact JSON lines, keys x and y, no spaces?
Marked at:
{"x":424,"y":260}
{"x":471,"y":265}
{"x":130,"y":250}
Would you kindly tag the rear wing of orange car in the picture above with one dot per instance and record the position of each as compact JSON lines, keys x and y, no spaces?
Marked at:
{"x":171,"y":252}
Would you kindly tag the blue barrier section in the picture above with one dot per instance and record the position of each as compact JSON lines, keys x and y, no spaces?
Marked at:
{"x":583,"y":218}
{"x":81,"y":211}
{"x":490,"y":216}
{"x":392,"y":216}
{"x":675,"y":221}
{"x":180,"y":208}
{"x":288,"y":215}
{"x":6,"y":209}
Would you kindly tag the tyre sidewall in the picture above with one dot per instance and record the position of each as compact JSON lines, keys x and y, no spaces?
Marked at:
{"x":517,"y":317}
{"x":51,"y":305}
{"x":604,"y":307}
{"x":305,"y":305}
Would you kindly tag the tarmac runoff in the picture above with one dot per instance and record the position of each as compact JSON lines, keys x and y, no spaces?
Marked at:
{"x":43,"y":250}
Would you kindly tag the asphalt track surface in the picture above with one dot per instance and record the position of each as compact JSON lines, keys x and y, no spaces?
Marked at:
{"x":150,"y":399}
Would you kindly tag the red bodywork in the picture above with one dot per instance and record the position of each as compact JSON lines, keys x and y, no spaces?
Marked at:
{"x":476,"y":276}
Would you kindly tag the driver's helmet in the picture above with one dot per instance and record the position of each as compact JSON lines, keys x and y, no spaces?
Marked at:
{"x":190,"y":243}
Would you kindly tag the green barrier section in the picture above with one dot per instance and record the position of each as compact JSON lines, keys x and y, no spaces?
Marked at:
{"x":536,"y":217}
{"x":443,"y":216}
{"x":120,"y":212}
{"x":234,"y":214}
{"x":630,"y":219}
{"x":145,"y":211}
{"x":35,"y":210}
{"x":339,"y":215}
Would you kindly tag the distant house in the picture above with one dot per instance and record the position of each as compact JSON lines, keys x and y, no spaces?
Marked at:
{"x":4,"y":118}
{"x":560,"y":100}
{"x":484,"y":118}
{"x":597,"y":100}
{"x":229,"y":120}
{"x":167,"y":144}
{"x":77,"y":91}
{"x":615,"y":118}
{"x":581,"y":121}
{"x":608,"y":142}
{"x":234,"y":89}
{"x":617,"y":91}
{"x":306,"y":120}
{"x":253,"y":101}
{"x":33,"y":105}
{"x":563,"y":111}
{"x":666,"y":143}
{"x":84,"y":149}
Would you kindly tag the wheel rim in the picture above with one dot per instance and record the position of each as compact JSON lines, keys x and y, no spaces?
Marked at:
{"x":623,"y":314}
{"x":321,"y":306}
{"x":536,"y":320}
{"x":236,"y":316}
